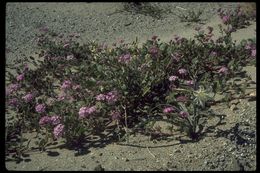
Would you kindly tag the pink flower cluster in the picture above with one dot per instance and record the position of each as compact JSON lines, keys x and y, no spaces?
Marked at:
{"x":184,"y":114}
{"x":66,"y":84}
{"x":58,"y":131}
{"x":190,"y":82}
{"x":253,"y":52}
{"x":20,"y":77}
{"x":40,"y":108}
{"x":28,"y":97}
{"x":12,"y":88}
{"x":110,"y":97}
{"x":183,"y":71}
{"x":168,"y":110}
{"x":125,"y":58}
{"x":86,"y":111}
{"x":173,"y":78}
{"x":225,"y":19}
{"x":13,"y":102}
{"x":50,"y":120}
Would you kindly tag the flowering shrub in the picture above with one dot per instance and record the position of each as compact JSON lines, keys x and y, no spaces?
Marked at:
{"x":79,"y":90}
{"x":237,"y":18}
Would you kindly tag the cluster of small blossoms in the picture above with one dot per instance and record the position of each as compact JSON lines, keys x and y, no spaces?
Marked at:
{"x":168,"y":110}
{"x":125,"y":58}
{"x":110,"y":97}
{"x":66,"y":84}
{"x":13,"y":102}
{"x":189,"y":82}
{"x":20,"y":77}
{"x":184,"y":114}
{"x":87,"y":111}
{"x":12,"y":88}
{"x":40,"y":108}
{"x":54,"y":120}
{"x":171,"y":109}
{"x":58,"y":131}
{"x":28,"y":97}
{"x":251,"y":47}
{"x":182,"y":71}
{"x":50,"y":120}
{"x":173,"y":78}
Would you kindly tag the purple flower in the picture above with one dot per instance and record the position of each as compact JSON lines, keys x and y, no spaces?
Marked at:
{"x":223,"y":70}
{"x":28,"y":97}
{"x":12,"y":88}
{"x":182,"y":99}
{"x":20,"y":77}
{"x":13,"y":102}
{"x":154,"y":51}
{"x":168,"y":110}
{"x":182,"y":71}
{"x":173,"y":78}
{"x":253,"y":52}
{"x":86,"y":111}
{"x":45,"y":120}
{"x":225,"y":19}
{"x":112,"y":96}
{"x":190,"y":82}
{"x":55,"y":120}
{"x":58,"y":131}
{"x":125,"y":58}
{"x":40,"y":108}
{"x":66,"y":84}
{"x":115,"y":115}
{"x":101,"y":97}
{"x":184,"y":114}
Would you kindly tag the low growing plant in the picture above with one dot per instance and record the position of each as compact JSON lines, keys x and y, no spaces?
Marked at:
{"x":79,"y":91}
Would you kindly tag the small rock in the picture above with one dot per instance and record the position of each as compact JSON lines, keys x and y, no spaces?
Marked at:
{"x":99,"y":168}
{"x":233,"y":108}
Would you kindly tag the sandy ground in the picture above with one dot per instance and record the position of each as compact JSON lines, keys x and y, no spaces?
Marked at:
{"x":103,"y":23}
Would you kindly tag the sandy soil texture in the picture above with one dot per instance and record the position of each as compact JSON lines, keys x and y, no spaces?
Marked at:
{"x":220,"y":149}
